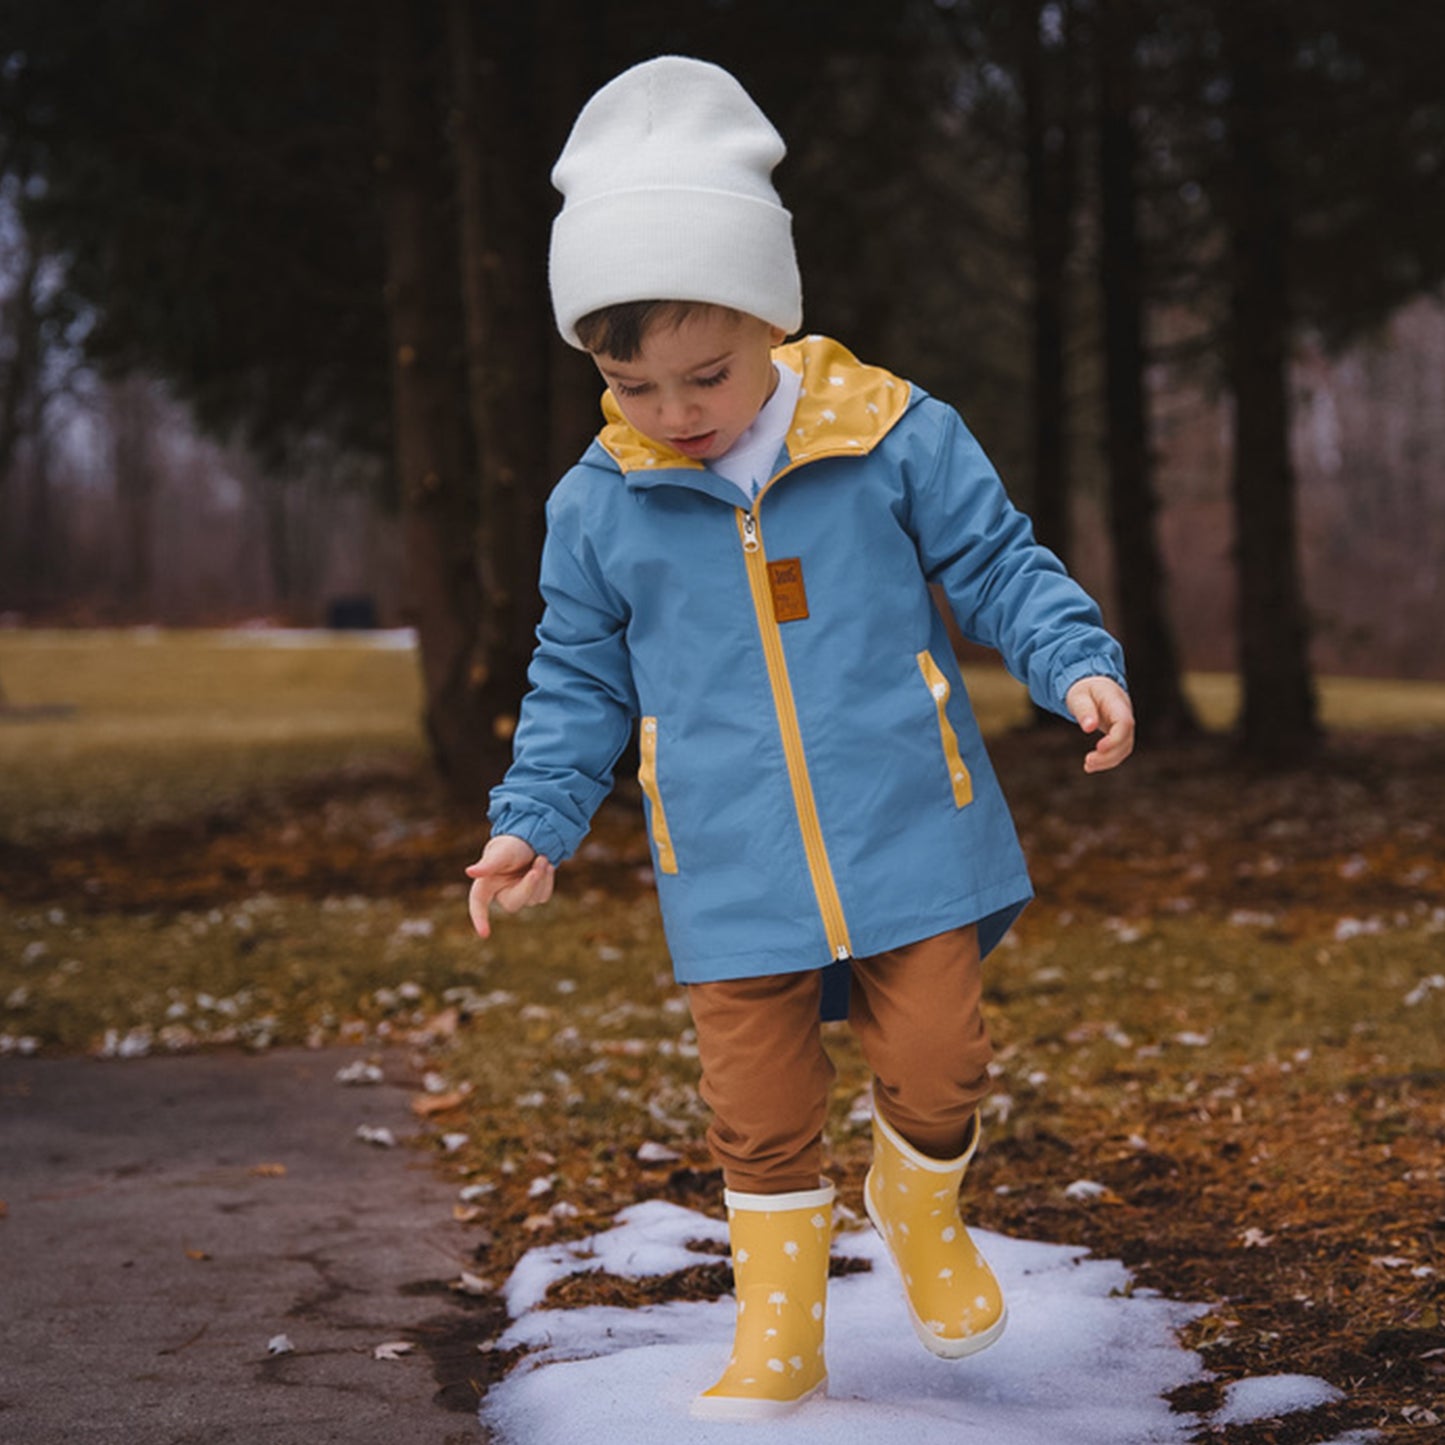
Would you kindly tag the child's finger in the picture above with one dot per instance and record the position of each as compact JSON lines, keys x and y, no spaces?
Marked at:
{"x":534,"y":886}
{"x":1112,"y":748}
{"x":478,"y":904}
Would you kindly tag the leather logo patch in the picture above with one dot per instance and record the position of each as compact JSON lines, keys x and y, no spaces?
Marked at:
{"x":790,"y":601}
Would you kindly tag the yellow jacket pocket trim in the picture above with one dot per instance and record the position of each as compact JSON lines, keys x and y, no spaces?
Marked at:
{"x":647,"y":776}
{"x":957,"y":772}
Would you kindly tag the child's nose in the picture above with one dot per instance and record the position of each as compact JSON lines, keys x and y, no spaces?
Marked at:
{"x":676,"y":410}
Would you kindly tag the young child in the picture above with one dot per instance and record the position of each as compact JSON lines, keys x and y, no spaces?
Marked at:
{"x":740,"y":564}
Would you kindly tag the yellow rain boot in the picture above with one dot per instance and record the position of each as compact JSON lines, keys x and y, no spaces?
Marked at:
{"x":953,"y":1298}
{"x":780,"y":1271}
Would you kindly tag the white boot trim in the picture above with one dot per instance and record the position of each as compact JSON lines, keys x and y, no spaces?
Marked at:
{"x":773,"y":1203}
{"x":923,"y":1161}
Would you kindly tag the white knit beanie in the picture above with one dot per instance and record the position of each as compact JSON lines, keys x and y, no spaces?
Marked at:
{"x":667,"y":193}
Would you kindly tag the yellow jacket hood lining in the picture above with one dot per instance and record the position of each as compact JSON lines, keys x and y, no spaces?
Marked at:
{"x":845,"y":408}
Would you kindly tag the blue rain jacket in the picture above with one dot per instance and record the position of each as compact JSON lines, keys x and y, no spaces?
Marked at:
{"x":816,"y":786}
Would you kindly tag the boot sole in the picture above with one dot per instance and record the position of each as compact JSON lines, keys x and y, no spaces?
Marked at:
{"x":943,"y":1349}
{"x":741,"y":1407}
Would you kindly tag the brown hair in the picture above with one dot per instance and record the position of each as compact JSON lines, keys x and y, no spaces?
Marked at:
{"x":619,"y":331}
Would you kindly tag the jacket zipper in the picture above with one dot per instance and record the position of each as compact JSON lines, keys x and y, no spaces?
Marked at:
{"x":835,"y":926}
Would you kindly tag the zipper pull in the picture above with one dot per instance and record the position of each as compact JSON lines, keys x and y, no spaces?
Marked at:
{"x":750,"y":532}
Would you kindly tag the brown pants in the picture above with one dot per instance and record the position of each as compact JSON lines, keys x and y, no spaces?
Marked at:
{"x":766,"y":1076}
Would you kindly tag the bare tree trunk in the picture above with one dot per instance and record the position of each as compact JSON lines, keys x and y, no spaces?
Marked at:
{"x":19,"y":381}
{"x":1279,"y":722}
{"x":45,"y":542}
{"x":1163,"y":710}
{"x":133,"y":427}
{"x":439,"y":513}
{"x":21,"y":319}
{"x":1049,"y":150}
{"x":508,"y":324}
{"x":1050,"y":155}
{"x":271,"y":499}
{"x":576,"y":33}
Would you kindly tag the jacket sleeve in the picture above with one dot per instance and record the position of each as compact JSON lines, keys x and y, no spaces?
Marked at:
{"x":576,"y":718}
{"x":1006,"y":590}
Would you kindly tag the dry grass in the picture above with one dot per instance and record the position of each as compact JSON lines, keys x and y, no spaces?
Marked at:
{"x":113,"y":729}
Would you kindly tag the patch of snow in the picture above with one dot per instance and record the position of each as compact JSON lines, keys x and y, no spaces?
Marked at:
{"x":1086,"y":1189}
{"x":386,"y":639}
{"x":359,"y":1072}
{"x":1423,"y":989}
{"x":651,"y":1152}
{"x":1252,"y":918}
{"x":1348,"y":928}
{"x":1266,"y":1397}
{"x":648,"y":1239}
{"x":1080,"y":1361}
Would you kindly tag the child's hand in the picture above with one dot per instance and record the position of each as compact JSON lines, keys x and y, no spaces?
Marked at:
{"x":511,"y":872}
{"x":1100,"y":703}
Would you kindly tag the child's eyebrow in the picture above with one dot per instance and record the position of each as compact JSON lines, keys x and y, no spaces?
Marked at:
{"x":612,"y":373}
{"x":708,"y":365}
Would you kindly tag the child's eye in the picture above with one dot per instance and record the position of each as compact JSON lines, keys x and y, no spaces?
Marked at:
{"x":622,"y":390}
{"x":716,"y":379}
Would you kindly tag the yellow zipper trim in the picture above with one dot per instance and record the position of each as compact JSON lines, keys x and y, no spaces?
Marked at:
{"x":647,"y":776}
{"x":957,"y":770}
{"x":835,"y":926}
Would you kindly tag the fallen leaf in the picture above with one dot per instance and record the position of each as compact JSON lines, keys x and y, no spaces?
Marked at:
{"x":651,"y":1152}
{"x":279,"y":1345}
{"x":382,"y":1137}
{"x":197,"y":1254}
{"x":465,"y":1213}
{"x":392,"y":1350}
{"x":268,"y":1171}
{"x":424,"y":1106}
{"x":444,"y":1024}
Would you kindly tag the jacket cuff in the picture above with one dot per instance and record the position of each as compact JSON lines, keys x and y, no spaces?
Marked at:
{"x":535,"y":830}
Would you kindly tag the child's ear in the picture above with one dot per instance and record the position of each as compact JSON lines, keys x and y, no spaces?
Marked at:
{"x":776,"y":335}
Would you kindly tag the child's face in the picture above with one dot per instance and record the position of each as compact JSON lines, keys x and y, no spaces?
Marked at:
{"x":696,"y":386}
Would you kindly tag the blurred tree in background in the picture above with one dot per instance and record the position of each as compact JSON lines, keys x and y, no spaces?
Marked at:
{"x":324,"y":228}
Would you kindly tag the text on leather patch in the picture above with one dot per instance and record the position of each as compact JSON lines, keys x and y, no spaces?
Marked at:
{"x":790,"y":601}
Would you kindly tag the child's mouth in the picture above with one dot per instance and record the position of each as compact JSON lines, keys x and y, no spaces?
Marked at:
{"x":694,"y":446}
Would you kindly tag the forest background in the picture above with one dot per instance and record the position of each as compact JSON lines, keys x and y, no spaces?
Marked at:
{"x":276,"y":334}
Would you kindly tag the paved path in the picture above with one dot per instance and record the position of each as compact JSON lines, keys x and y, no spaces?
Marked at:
{"x":148,"y":1256}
